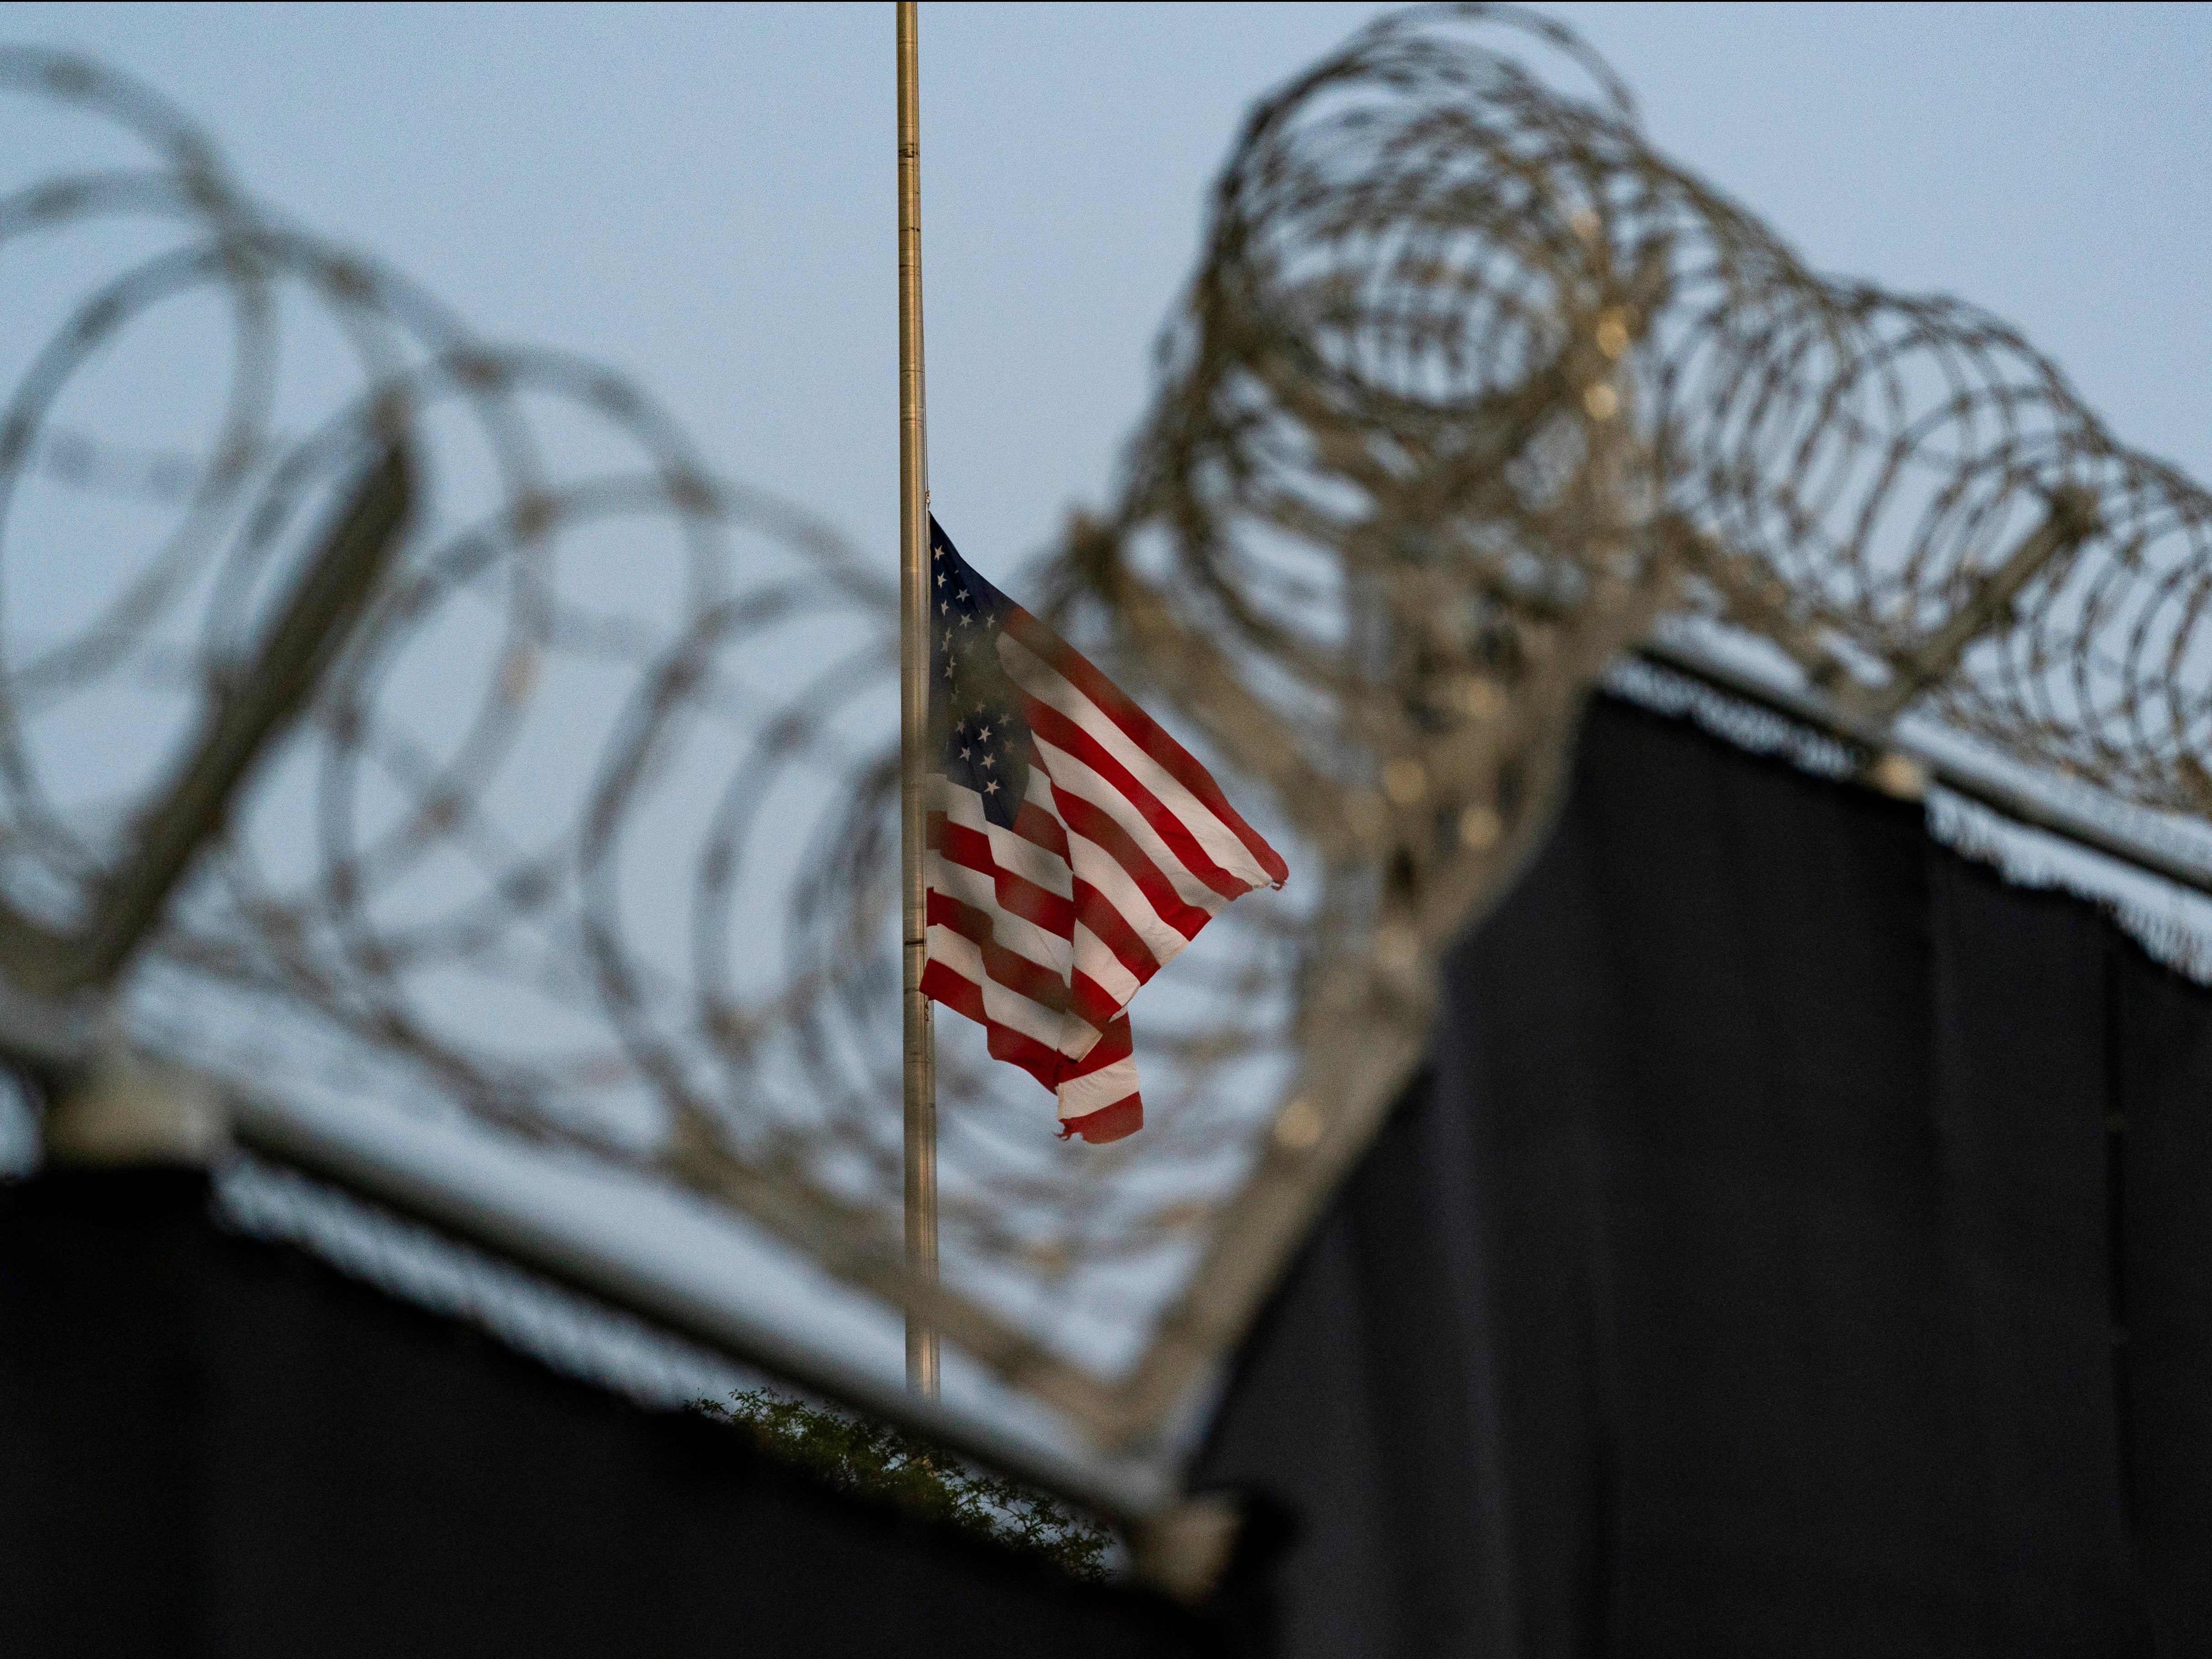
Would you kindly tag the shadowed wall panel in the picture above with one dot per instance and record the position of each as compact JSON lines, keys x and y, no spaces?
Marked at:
{"x":1742,"y":1279}
{"x":210,"y":1445}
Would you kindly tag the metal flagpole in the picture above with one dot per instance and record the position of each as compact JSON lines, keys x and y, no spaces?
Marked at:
{"x":913,"y":720}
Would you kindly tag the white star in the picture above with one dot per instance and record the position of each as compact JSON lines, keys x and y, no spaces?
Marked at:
{"x":988,"y":763}
{"x":991,"y":788}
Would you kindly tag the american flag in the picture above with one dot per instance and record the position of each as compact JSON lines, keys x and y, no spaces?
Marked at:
{"x":1074,"y":848}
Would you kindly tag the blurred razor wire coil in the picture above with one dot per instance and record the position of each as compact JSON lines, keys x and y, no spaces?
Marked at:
{"x":591,"y":833}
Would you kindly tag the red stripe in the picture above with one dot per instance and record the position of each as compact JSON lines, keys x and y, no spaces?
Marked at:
{"x":1116,"y":1041}
{"x":1033,"y":823}
{"x":1018,"y":895}
{"x":1008,"y":968}
{"x":939,"y":983}
{"x":1096,"y":912}
{"x":1092,"y":1001}
{"x":1093,"y":825}
{"x":1124,"y":1117}
{"x":1144,"y":730}
{"x":1056,"y":728}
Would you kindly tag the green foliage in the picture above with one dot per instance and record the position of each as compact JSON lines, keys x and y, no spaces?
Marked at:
{"x":874,"y":1460}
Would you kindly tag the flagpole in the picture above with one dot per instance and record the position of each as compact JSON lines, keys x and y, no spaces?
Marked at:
{"x":920,"y":1093}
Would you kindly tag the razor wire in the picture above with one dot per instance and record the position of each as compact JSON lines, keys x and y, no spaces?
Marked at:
{"x":592,"y":837}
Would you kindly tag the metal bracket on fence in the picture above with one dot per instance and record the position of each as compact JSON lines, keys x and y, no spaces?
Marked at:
{"x":2072,"y":519}
{"x":238,"y":726}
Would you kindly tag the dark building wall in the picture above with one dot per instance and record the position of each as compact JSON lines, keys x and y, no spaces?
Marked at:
{"x":1802,"y":1245}
{"x":210,"y":1445}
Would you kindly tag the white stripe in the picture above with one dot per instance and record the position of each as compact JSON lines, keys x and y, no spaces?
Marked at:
{"x":1022,"y":855}
{"x":1008,"y":1008}
{"x":1077,"y":1035}
{"x":1017,"y":933}
{"x":1049,"y":686}
{"x":1103,"y":871}
{"x":1079,"y":1097}
{"x":1012,"y":853}
{"x":1096,"y":959}
{"x":1072,"y":776}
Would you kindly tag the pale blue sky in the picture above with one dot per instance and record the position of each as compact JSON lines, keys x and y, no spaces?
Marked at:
{"x":703,"y":195}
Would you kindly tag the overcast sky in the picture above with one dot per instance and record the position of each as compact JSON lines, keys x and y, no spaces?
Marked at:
{"x":703,"y":195}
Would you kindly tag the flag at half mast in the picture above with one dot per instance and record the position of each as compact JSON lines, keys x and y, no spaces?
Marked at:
{"x":1074,"y":847}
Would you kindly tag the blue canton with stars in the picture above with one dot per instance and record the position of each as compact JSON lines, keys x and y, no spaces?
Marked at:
{"x":985,"y":744}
